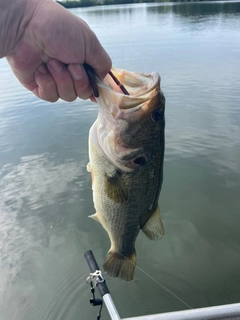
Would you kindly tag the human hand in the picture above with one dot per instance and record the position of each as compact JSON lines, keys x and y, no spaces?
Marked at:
{"x":48,"y":58}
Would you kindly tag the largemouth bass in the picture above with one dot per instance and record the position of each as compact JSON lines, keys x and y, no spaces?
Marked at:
{"x":126,"y":151}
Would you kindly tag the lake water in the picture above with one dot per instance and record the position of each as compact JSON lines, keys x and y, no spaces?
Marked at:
{"x":45,"y":190}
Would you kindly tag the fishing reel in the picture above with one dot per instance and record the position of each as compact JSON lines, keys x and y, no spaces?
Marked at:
{"x":95,"y":302}
{"x":95,"y":279}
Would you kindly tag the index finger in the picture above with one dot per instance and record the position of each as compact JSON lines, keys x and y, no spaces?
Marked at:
{"x":98,"y":59}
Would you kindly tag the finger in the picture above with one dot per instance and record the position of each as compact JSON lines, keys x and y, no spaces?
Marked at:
{"x":46,"y":87}
{"x":98,"y":58}
{"x":63,"y":80}
{"x":93,"y":99}
{"x":81,"y":81}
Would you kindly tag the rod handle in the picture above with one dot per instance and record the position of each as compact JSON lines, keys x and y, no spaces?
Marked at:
{"x":92,"y":263}
{"x":93,"y":266}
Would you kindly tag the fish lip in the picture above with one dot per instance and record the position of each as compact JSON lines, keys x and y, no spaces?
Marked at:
{"x":149,"y":84}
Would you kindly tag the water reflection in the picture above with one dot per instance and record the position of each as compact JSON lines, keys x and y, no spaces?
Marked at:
{"x":34,"y":186}
{"x":36,"y":197}
{"x":200,"y":9}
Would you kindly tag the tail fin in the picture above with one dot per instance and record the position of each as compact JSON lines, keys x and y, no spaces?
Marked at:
{"x":117,"y":265}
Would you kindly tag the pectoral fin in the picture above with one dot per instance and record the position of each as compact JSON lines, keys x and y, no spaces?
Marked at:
{"x":114,"y":187}
{"x":95,"y":217}
{"x":88,"y":167}
{"x":153,"y":228}
{"x":89,"y":170}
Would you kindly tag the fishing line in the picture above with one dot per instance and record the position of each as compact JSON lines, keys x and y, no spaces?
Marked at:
{"x":156,"y":281}
{"x":159,"y":283}
{"x":169,"y":291}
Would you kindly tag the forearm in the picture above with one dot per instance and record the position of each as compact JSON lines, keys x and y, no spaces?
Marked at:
{"x":14,"y":17}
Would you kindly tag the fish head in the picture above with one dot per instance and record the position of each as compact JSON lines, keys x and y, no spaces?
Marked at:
{"x":131,"y":127}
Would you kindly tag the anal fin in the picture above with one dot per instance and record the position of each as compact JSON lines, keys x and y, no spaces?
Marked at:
{"x":153,"y":228}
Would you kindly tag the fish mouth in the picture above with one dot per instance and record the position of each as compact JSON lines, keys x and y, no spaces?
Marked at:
{"x":128,"y":90}
{"x":120,"y":81}
{"x":134,"y":83}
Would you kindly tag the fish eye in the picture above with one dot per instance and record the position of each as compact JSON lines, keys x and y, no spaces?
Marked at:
{"x":157,"y":114}
{"x":141,"y":161}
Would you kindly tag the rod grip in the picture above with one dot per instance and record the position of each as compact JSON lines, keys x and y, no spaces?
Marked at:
{"x":92,"y":263}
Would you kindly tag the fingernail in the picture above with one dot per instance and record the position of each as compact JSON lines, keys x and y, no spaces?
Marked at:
{"x":42,"y":69}
{"x":77,"y":72}
{"x":55,"y":65}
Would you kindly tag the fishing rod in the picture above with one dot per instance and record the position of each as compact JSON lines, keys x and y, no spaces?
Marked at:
{"x":96,"y":279}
